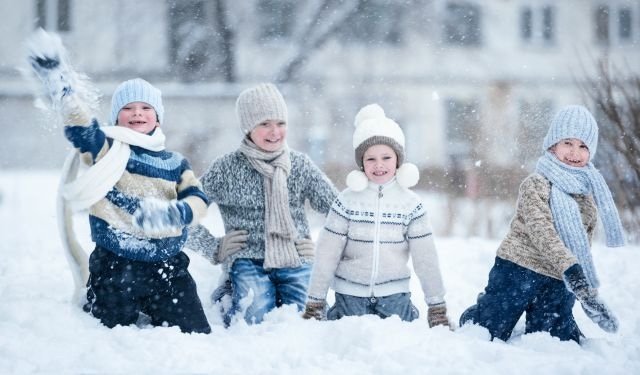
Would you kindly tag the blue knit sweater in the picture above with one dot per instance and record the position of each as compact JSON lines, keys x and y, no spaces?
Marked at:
{"x":163,"y":175}
{"x":237,"y":188}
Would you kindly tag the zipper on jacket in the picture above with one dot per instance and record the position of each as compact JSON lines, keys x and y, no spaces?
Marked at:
{"x":376,"y":243}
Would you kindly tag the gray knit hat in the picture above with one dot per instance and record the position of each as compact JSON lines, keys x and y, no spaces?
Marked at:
{"x":136,"y":90}
{"x":373,"y":127}
{"x":260,"y":103}
{"x":574,"y":121}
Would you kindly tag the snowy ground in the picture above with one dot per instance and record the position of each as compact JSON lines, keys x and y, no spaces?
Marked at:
{"x":42,"y":332}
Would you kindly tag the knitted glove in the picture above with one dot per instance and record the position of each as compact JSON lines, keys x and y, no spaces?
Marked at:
{"x":437,"y":315}
{"x":231,"y":243}
{"x":592,"y":305}
{"x":305,"y":248}
{"x":316,"y":309}
{"x":155,"y":216}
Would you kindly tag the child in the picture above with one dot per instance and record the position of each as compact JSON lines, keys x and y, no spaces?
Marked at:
{"x":372,"y":229}
{"x":545,"y":263}
{"x":261,"y":190}
{"x":141,"y":198}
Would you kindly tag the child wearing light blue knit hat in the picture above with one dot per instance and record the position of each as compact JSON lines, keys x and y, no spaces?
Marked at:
{"x":136,"y":90}
{"x":544,"y":263}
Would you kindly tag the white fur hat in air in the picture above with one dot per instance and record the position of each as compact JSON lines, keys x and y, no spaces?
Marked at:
{"x":136,"y":90}
{"x":373,"y":127}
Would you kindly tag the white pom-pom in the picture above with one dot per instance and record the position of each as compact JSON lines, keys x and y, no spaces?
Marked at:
{"x":407,"y":175}
{"x":368,"y":112}
{"x":357,"y":180}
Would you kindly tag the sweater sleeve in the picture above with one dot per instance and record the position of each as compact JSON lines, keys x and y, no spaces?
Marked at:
{"x":320,"y":190}
{"x":425,"y":257}
{"x":534,"y":208}
{"x":203,"y":242}
{"x":330,"y":245}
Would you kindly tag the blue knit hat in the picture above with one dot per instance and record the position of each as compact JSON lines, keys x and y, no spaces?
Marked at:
{"x":574,"y":121}
{"x":136,"y":90}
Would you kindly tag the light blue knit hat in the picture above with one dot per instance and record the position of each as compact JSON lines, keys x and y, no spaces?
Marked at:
{"x":574,"y":121}
{"x":136,"y":90}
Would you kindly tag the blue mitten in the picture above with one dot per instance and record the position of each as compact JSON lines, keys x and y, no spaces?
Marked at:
{"x":155,"y":216}
{"x":592,"y":305}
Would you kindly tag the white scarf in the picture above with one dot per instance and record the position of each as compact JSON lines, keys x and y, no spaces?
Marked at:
{"x":100,"y":178}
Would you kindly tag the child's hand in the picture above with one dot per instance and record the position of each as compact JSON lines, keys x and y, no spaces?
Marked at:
{"x":437,"y":315}
{"x":155,"y":216}
{"x":305,"y":248}
{"x":592,"y":305}
{"x":315,"y":309}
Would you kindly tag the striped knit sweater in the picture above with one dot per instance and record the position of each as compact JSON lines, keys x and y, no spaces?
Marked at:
{"x":367,"y":239}
{"x":237,"y":188}
{"x":163,"y":175}
{"x":532,"y":241}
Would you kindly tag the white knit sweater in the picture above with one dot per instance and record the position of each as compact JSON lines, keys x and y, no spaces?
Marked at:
{"x":366,"y":242}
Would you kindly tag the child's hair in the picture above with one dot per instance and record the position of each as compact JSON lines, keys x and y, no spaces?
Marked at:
{"x":136,"y":90}
{"x":574,"y":121}
{"x":259,"y":103}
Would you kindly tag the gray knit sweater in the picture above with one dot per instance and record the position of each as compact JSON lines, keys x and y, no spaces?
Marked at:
{"x":368,"y":236}
{"x":237,"y":188}
{"x":532,"y":241}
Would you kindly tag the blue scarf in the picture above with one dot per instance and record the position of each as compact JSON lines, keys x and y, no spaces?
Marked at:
{"x":566,"y":180}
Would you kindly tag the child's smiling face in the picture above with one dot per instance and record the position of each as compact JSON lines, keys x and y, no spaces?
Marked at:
{"x":269,"y":135}
{"x":380,"y":163}
{"x":138,"y":116}
{"x":571,"y":151}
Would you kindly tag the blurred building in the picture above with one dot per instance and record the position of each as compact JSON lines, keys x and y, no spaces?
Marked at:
{"x":473,"y":83}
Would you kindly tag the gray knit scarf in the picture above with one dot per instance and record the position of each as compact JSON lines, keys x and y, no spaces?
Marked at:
{"x":565,"y":181}
{"x":280,"y":232}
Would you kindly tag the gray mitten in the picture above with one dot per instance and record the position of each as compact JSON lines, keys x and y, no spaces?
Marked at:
{"x":231,"y":243}
{"x":316,"y":309}
{"x":592,"y":305}
{"x":305,"y":248}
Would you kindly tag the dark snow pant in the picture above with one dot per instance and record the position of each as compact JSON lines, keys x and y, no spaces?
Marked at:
{"x":395,"y":304}
{"x":119,"y":289}
{"x":513,"y":290}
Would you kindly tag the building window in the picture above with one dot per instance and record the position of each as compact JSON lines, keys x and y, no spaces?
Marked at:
{"x":463,"y":129}
{"x":624,"y":24}
{"x":537,"y":24}
{"x":462,"y":24}
{"x":375,"y":21}
{"x":53,"y":15}
{"x":614,"y":25}
{"x":276,"y":19}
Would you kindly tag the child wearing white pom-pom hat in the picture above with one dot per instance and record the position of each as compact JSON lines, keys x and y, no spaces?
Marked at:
{"x":373,"y":227}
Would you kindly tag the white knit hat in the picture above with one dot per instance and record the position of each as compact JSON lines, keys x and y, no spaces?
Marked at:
{"x":260,"y":103}
{"x":373,"y":127}
{"x":136,"y":90}
{"x":574,"y":121}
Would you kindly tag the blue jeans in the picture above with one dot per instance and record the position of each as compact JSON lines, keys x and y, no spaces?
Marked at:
{"x":513,"y":290}
{"x":395,"y":304}
{"x":270,"y":289}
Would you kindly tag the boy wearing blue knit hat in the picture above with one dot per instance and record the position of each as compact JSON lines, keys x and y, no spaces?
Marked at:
{"x":544,"y":263}
{"x":141,"y":198}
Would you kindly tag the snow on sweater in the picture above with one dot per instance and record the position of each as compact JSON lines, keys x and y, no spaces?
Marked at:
{"x":237,"y":188}
{"x":366,"y":242}
{"x":163,"y":174}
{"x":532,"y":241}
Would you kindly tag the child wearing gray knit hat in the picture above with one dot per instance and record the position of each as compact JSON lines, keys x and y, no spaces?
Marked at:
{"x":544,"y":263}
{"x":262,"y":189}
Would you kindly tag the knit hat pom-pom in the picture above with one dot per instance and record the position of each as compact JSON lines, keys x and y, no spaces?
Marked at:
{"x":357,"y":180}
{"x":407,"y":175}
{"x":368,"y":112}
